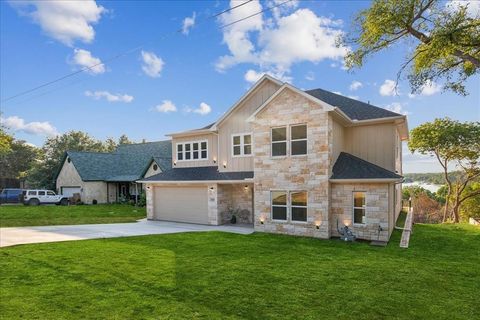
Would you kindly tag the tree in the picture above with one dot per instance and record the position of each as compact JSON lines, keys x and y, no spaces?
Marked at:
{"x":19,"y":160}
{"x":446,"y":40}
{"x":43,"y":173}
{"x":5,"y":142}
{"x":110,"y":145}
{"x":471,"y":206}
{"x":124,"y":140}
{"x":451,"y":142}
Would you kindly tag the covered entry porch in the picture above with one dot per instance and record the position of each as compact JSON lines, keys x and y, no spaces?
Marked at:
{"x":123,"y":190}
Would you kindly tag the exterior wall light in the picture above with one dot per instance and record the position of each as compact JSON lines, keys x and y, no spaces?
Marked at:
{"x":317,"y":225}
{"x":262,"y":220}
{"x":214,"y":160}
{"x":224,"y":165}
{"x":211,"y":188}
{"x":174,"y":163}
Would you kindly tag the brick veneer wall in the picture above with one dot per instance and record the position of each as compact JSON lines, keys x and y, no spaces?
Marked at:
{"x":377,"y":210}
{"x":308,"y":173}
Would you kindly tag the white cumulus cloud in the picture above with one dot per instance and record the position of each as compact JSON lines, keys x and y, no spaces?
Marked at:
{"x":430,"y":88}
{"x":152,"y":64}
{"x":35,"y":127}
{"x":253,"y":76}
{"x":388,"y":88}
{"x":65,"y":21}
{"x":84,"y":59}
{"x":110,"y":97}
{"x":188,"y":23}
{"x":276,"y":44}
{"x":397,"y":108}
{"x":166,"y":106}
{"x":356,"y":85}
{"x":203,"y":109}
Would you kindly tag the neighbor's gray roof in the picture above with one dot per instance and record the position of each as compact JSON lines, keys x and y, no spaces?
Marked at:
{"x":127,"y":163}
{"x":348,"y":166}
{"x":356,"y":110}
{"x":199,"y":174}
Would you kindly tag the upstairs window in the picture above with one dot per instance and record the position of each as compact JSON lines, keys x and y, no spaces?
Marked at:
{"x":279,"y":141}
{"x":359,"y":207}
{"x":298,"y":140}
{"x":192,"y":151}
{"x":242,"y":145}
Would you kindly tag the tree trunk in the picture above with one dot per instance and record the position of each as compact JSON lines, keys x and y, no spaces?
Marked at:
{"x":455,"y":209}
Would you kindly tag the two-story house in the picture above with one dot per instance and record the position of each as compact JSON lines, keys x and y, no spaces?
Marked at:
{"x":287,"y":161}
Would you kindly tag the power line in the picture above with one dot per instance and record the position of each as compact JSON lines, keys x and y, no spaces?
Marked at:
{"x":140,"y":46}
{"x":85,"y":69}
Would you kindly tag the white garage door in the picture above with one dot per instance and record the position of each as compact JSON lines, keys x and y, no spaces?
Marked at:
{"x":182,"y":204}
{"x":69,"y":191}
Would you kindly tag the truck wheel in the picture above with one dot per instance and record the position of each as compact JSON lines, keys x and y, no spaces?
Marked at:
{"x":33,"y":202}
{"x":64,"y":202}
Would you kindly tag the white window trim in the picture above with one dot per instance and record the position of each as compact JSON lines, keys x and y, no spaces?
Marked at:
{"x":242,"y":144}
{"x":283,"y":206}
{"x":288,"y":206}
{"x":280,"y":141}
{"x":292,"y":206}
{"x":353,"y":208}
{"x":293,"y":140}
{"x":191,"y":150}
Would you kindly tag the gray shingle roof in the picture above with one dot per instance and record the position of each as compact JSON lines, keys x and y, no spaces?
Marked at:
{"x":127,"y":163}
{"x":199,"y":174}
{"x":348,"y":166}
{"x":353,"y":108}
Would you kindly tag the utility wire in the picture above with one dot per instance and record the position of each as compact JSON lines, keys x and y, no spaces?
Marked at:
{"x":140,"y":46}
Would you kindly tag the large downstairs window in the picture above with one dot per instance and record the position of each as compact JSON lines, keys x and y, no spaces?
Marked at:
{"x":289,"y":206}
{"x":196,"y":150}
{"x":359,"y":207}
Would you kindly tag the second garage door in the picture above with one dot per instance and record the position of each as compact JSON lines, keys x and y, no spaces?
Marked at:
{"x":182,"y":204}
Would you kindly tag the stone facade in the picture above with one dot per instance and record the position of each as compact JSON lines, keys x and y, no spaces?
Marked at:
{"x":377,"y":217}
{"x":291,"y":173}
{"x":236,"y":198}
{"x":213,"y":204}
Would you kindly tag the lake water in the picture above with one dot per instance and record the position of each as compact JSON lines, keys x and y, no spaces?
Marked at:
{"x":428,"y":186}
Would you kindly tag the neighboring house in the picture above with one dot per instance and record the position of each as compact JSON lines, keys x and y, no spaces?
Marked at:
{"x":110,"y":177}
{"x":288,"y":161}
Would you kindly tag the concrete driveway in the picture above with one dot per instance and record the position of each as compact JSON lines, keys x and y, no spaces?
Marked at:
{"x":24,"y":235}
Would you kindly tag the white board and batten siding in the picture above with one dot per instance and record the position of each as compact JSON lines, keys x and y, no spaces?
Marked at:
{"x":212,"y":149}
{"x":236,"y":123}
{"x":181,"y":204}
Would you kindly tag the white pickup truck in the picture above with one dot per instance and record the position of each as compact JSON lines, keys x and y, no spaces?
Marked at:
{"x":36,"y":197}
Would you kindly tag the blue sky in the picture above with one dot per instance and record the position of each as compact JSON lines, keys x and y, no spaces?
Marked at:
{"x":183,"y":80}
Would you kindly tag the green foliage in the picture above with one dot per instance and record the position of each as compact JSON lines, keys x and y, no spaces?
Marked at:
{"x":19,"y":160}
{"x":124,"y":140}
{"x":471,"y":206}
{"x":142,"y":200}
{"x":5,"y":142}
{"x":431,"y":178}
{"x":446,"y":41}
{"x":451,"y":141}
{"x":20,"y":216}
{"x":217,"y":275}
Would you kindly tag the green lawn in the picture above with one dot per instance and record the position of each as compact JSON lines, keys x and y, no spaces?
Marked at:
{"x":44,"y":215}
{"x":215,"y":275}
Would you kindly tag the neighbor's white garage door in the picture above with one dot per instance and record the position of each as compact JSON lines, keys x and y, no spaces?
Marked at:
{"x":69,"y":191}
{"x":181,"y":204}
